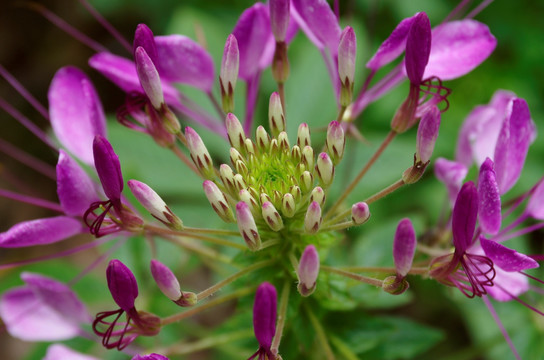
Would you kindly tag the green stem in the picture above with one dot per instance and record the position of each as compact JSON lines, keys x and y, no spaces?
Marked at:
{"x":362,"y":173}
{"x":214,"y":240}
{"x":388,"y":190}
{"x":340,"y":226}
{"x":210,"y":231}
{"x":212,"y":289}
{"x":282,"y":315}
{"x":323,"y":341}
{"x":388,"y":270}
{"x":216,"y":105}
{"x":268,"y":243}
{"x":343,"y":348}
{"x":341,"y":114}
{"x":198,"y":249}
{"x":217,"y":301}
{"x":361,"y":278}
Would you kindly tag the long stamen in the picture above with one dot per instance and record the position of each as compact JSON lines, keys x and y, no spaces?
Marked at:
{"x":501,"y":326}
{"x":23,"y":92}
{"x":28,"y":160}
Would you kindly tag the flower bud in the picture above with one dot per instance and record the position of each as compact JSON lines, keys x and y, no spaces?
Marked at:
{"x":108,"y":168}
{"x":418,"y":48}
{"x":306,"y":182}
{"x":262,"y":138}
{"x":395,"y":286}
{"x":149,"y":78}
{"x":122,"y":285}
{"x":296,"y":192}
{"x":313,"y":219}
{"x":264,"y":314}
{"x":404,"y":247}
{"x":239,"y":182}
{"x":283,"y":142}
{"x":318,"y":195}
{"x":360,"y":213}
{"x":143,"y":37}
{"x":276,"y":118}
{"x":336,"y":141}
{"x":235,"y":131}
{"x":250,"y":147}
{"x":427,"y":132}
{"x":247,"y":227}
{"x":187,"y":299}
{"x":308,"y":270}
{"x":489,"y":199}
{"x":218,"y":201}
{"x":288,"y":205}
{"x":200,"y":155}
{"x":296,"y":154}
{"x":303,"y":136}
{"x":279,"y":18}
{"x":308,"y":157}
{"x":166,"y":280}
{"x":235,"y":155}
{"x":271,"y":216}
{"x":249,"y":199}
{"x":325,"y":169}
{"x":229,"y":72}
{"x":153,"y":203}
{"x":227,"y":177}
{"x":347,"y":51}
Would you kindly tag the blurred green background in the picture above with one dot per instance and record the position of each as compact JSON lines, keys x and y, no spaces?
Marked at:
{"x":452,"y":327}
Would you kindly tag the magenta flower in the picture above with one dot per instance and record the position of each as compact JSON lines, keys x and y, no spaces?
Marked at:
{"x":124,"y":290}
{"x":61,"y":352}
{"x":150,"y":357}
{"x":264,"y":320}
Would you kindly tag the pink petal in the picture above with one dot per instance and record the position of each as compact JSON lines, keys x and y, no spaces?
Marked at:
{"x":404,"y":246}
{"x":75,"y":188}
{"x":458,"y":47}
{"x":535,"y":206}
{"x":75,"y":111}
{"x":182,"y":60}
{"x":505,"y":258}
{"x":489,"y":199}
{"x":452,"y":174}
{"x":40,"y":232}
{"x":507,"y":284}
{"x":319,"y":23}
{"x":61,"y":352}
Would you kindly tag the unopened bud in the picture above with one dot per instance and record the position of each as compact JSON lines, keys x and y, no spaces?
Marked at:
{"x":296,"y":154}
{"x":153,"y":203}
{"x":312,"y":221}
{"x":427,"y":132}
{"x":200,"y":155}
{"x":227,"y":177}
{"x":235,"y":156}
{"x":308,"y":270}
{"x":308,"y":157}
{"x":279,"y":18}
{"x":394,"y":285}
{"x":296,"y":192}
{"x":262,"y":139}
{"x":283,"y":142}
{"x":325,"y":169}
{"x":169,"y":120}
{"x":318,"y":195}
{"x":276,"y":119}
{"x":149,"y":77}
{"x":143,"y":37}
{"x":166,"y":280}
{"x":229,"y":72}
{"x":250,"y":147}
{"x":249,"y":199}
{"x":235,"y":131}
{"x":347,"y":51}
{"x":239,"y":182}
{"x":360,"y":213}
{"x":271,"y":216}
{"x":187,"y":299}
{"x":247,"y":227}
{"x":303,"y":136}
{"x":414,"y":173}
{"x":404,"y":247}
{"x":218,"y":201}
{"x":336,"y":141}
{"x":306,"y":182}
{"x":288,"y":205}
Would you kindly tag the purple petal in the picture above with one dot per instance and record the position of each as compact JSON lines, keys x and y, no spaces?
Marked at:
{"x":535,"y":206}
{"x":392,"y":47}
{"x":143,"y":36}
{"x":308,"y":267}
{"x":427,"y":133}
{"x":150,"y":357}
{"x":489,"y":199}
{"x":149,"y":77}
{"x":404,"y":247}
{"x":57,"y":296}
{"x":253,"y":33}
{"x":166,"y":280}
{"x":319,"y":23}
{"x":505,"y":258}
{"x":185,"y":61}
{"x":458,"y":47}
{"x":517,"y":133}
{"x":480,"y":130}
{"x":264,"y":314}
{"x":75,"y":111}
{"x":418,"y":47}
{"x":108,"y":168}
{"x":122,"y":284}
{"x":279,"y":18}
{"x":507,"y":284}
{"x":75,"y":188}
{"x":465,"y":212}
{"x":29,"y":319}
{"x":40,"y":232}
{"x":452,"y":174}
{"x":61,"y":352}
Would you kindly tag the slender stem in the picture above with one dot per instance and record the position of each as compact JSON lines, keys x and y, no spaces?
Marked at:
{"x":217,"y":301}
{"x":282,"y":315}
{"x":269,"y":243}
{"x":362,"y":173}
{"x":501,"y":326}
{"x":216,"y":105}
{"x":198,"y":249}
{"x":354,"y":276}
{"x":24,"y":92}
{"x":340,"y":226}
{"x":431,"y":251}
{"x":206,"y":343}
{"x":31,"y":200}
{"x":212,"y":289}
{"x":214,"y":240}
{"x":27,"y":159}
{"x":342,"y":348}
{"x":341,"y":113}
{"x":293,"y":260}
{"x":323,"y":341}
{"x":210,"y":231}
{"x":388,"y":190}
{"x":186,"y":160}
{"x":388,"y":270}
{"x":181,"y":138}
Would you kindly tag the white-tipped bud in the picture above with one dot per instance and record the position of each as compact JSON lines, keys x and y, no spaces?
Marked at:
{"x":229,"y":72}
{"x":271,"y":216}
{"x":306,"y":182}
{"x":347,"y":51}
{"x":249,"y":199}
{"x":318,"y":194}
{"x":241,"y":168}
{"x":427,"y":132}
{"x":325,"y":169}
{"x":303,"y":136}
{"x":200,"y":155}
{"x":218,"y":201}
{"x":276,"y":118}
{"x":153,"y":203}
{"x":235,"y":156}
{"x":360,"y":213}
{"x":308,"y":270}
{"x":308,"y":157}
{"x":274,"y":147}
{"x":227,"y":177}
{"x":235,"y":131}
{"x":246,"y":225}
{"x":296,"y":192}
{"x":239,"y":182}
{"x":283,"y":142}
{"x":264,"y":198}
{"x":250,"y":147}
{"x":166,"y":280}
{"x":312,"y":221}
{"x":296,"y":154}
{"x":149,"y":77}
{"x":262,"y":138}
{"x":288,"y":205}
{"x":336,"y":141}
